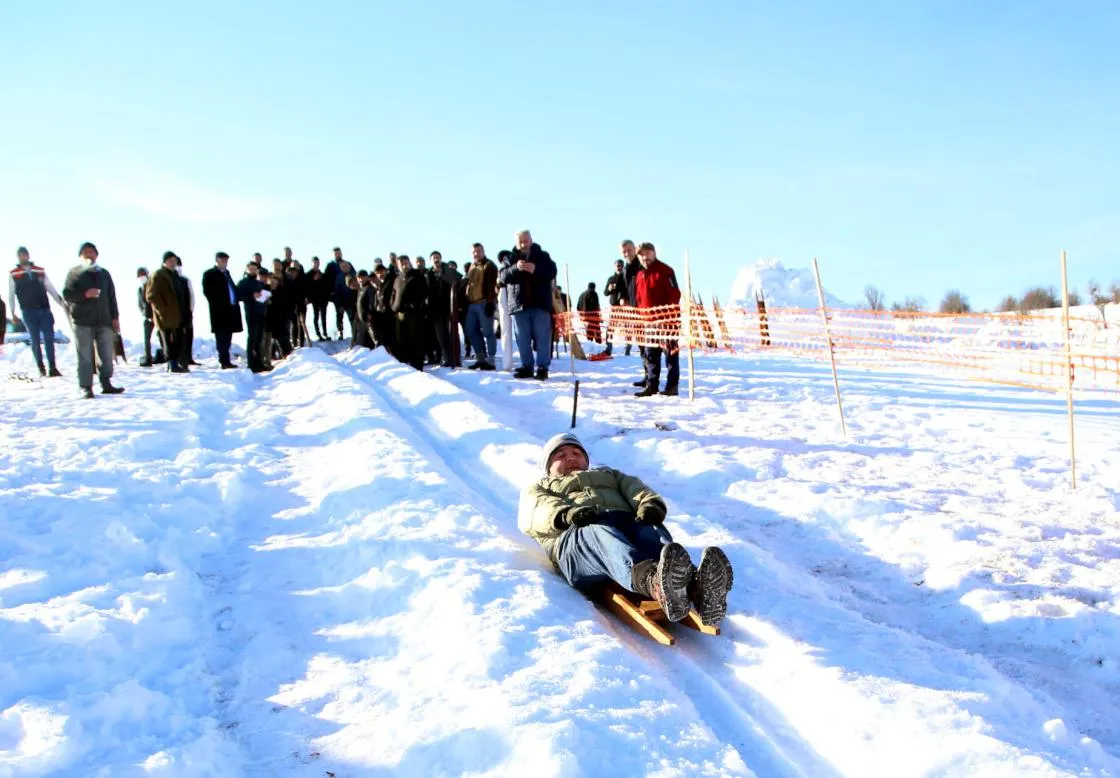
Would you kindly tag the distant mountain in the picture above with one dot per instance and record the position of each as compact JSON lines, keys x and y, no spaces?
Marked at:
{"x":779,"y":286}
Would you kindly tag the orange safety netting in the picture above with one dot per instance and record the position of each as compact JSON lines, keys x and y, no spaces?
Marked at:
{"x":1013,"y":348}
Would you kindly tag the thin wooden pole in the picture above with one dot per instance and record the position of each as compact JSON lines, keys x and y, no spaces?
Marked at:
{"x":686,"y":326}
{"x":575,"y":403}
{"x":831,"y":350}
{"x":568,"y":314}
{"x":507,"y":329}
{"x":1069,"y":373}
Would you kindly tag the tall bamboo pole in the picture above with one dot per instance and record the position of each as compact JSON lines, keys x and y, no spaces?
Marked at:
{"x":831,"y":350}
{"x":686,"y":327}
{"x":1069,"y":373}
{"x":568,"y":314}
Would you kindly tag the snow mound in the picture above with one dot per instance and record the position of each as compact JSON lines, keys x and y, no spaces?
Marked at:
{"x":779,"y":286}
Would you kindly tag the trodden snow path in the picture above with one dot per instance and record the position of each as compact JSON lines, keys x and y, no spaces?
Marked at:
{"x":318,"y":571}
{"x":926,"y":598}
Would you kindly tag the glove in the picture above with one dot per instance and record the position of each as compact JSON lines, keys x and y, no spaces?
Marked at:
{"x":489,"y":310}
{"x":583,"y":515}
{"x":651,"y":513}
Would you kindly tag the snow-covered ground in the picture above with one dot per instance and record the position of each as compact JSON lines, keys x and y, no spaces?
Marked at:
{"x":318,"y":572}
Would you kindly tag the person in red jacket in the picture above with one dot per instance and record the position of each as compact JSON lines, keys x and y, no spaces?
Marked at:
{"x":658,"y":297}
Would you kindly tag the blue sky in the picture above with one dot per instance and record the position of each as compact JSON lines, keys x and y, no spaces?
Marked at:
{"x":916,"y":145}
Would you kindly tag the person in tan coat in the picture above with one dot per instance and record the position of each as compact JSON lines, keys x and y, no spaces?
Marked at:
{"x":600,"y":524}
{"x":162,"y":294}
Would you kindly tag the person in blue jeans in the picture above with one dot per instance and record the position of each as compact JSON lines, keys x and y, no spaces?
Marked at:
{"x":528,"y":273}
{"x":29,"y":287}
{"x":600,"y":525}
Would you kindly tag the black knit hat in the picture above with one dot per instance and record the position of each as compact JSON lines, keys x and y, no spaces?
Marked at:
{"x":169,"y":255}
{"x":221,"y":255}
{"x":86,"y":245}
{"x":22,"y":250}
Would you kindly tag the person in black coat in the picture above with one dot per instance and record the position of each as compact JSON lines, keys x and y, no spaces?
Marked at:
{"x":363,"y":317}
{"x":279,"y":316}
{"x":319,"y":294}
{"x":588,"y":307}
{"x":225,"y":315}
{"x":253,"y":293}
{"x":630,"y":272}
{"x":441,"y":280}
{"x":528,"y":276}
{"x":296,"y":280}
{"x":410,"y":294}
{"x":384,"y":326}
{"x":145,"y":311}
{"x":95,"y":318}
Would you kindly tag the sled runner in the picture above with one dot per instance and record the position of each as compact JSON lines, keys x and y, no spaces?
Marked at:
{"x":647,"y":616}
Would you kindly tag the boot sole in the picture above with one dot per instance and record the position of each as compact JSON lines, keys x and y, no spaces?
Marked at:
{"x":714,"y":579}
{"x":675,"y":571}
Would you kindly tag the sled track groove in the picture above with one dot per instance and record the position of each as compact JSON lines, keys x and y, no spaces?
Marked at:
{"x":767,"y":748}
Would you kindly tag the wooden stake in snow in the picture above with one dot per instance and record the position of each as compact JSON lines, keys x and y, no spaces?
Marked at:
{"x":686,"y":327}
{"x":575,"y":403}
{"x":1069,"y":372}
{"x":570,"y":322}
{"x":831,"y":349}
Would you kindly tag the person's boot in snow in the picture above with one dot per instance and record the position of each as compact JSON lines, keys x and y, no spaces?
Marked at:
{"x":108,"y":388}
{"x":666,"y":580}
{"x":710,"y":586}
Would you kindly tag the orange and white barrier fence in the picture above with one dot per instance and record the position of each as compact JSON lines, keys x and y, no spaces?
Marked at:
{"x":1012,"y":348}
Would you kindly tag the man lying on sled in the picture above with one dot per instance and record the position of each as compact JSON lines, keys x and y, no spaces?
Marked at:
{"x":598,"y":524}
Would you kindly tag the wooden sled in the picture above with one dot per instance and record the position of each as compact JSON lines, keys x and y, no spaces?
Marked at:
{"x":647,"y":616}
{"x":600,"y":357}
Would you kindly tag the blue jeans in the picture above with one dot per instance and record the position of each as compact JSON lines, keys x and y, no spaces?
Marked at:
{"x":480,"y":331}
{"x":533,"y":324}
{"x":589,"y":556}
{"x":40,"y":327}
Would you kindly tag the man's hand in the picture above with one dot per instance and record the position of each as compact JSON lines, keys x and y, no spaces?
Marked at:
{"x":526,"y":265}
{"x":116,"y":325}
{"x":91,"y":293}
{"x":583,"y":515}
{"x":651,"y":513}
{"x":15,"y":321}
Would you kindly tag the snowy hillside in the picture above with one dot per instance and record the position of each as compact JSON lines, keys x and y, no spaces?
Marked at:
{"x":318,"y":572}
{"x":779,"y":286}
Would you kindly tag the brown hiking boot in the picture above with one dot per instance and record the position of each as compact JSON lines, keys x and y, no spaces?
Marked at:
{"x":713,"y":581}
{"x":667,"y":581}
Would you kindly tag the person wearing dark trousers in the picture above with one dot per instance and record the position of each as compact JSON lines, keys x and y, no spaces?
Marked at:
{"x":277,"y":319}
{"x":145,"y":308}
{"x":165,"y":294}
{"x":31,"y":290}
{"x":633,"y":265}
{"x":225,"y":314}
{"x":253,"y":294}
{"x":297,"y":285}
{"x":95,"y":317}
{"x":441,"y":279}
{"x":318,"y":292}
{"x":410,"y":294}
{"x":618,"y":293}
{"x":186,"y":307}
{"x":658,"y":298}
{"x":363,"y":318}
{"x":588,"y":307}
{"x":384,"y":325}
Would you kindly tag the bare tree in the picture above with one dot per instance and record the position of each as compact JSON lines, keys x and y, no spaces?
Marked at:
{"x":1040,"y":298}
{"x":1009,"y":304}
{"x":909,"y":305}
{"x":1099,"y":299}
{"x":874,"y":298}
{"x":955,"y":302}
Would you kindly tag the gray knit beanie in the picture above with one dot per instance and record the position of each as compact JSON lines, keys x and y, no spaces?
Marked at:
{"x":555,"y":442}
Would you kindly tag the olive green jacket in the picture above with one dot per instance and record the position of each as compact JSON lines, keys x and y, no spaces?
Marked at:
{"x":544,"y":504}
